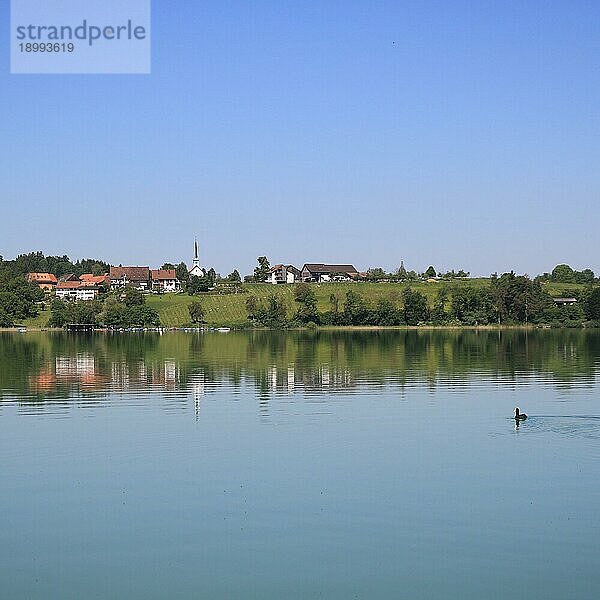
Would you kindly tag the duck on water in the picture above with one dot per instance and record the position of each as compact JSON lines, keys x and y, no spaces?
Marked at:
{"x":519,"y":416}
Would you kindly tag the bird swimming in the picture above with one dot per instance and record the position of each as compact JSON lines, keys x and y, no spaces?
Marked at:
{"x":519,"y":416}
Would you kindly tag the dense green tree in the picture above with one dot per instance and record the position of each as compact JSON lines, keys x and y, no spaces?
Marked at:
{"x":168,"y":266}
{"x":59,"y":313}
{"x":586,"y":276}
{"x":466,"y":304}
{"x":276,"y":312}
{"x":99,"y":269}
{"x":472,"y":306}
{"x":252,"y":307}
{"x":18,"y":298}
{"x":211,"y":277}
{"x":439,"y":316}
{"x":272,"y":313}
{"x":140,"y":315}
{"x":197,"y":285}
{"x":566,"y":274}
{"x":415,"y":307}
{"x":90,"y":265}
{"x":234,"y":276}
{"x":563,"y":316}
{"x":58,"y":265}
{"x":182,"y":273}
{"x":591,"y":304}
{"x":334,"y":302}
{"x":304,"y":295}
{"x":355,"y":309}
{"x":5,"y":319}
{"x":386,"y":314}
{"x":86,"y":311}
{"x":431,"y":272}
{"x":63,"y":312}
{"x":119,"y":314}
{"x":196,"y":311}
{"x":518,"y":299}
{"x":563,"y":274}
{"x":113,"y":312}
{"x":376,"y":273}
{"x":133,"y":297}
{"x":261,"y":272}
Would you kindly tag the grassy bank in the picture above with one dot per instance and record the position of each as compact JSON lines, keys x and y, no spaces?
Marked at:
{"x":229,"y":310}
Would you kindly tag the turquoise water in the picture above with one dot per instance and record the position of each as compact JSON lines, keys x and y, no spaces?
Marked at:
{"x":292,"y":465}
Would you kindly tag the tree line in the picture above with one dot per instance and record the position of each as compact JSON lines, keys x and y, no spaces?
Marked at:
{"x":124,"y":308}
{"x":37,"y":262}
{"x":508,"y":299}
{"x":505,"y":299}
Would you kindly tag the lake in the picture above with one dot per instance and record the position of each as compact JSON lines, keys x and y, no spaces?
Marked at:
{"x":325,"y":464}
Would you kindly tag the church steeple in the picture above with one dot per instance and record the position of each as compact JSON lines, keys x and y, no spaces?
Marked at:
{"x":196,"y":270}
{"x":196,"y":262}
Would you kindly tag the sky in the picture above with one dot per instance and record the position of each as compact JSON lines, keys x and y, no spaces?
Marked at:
{"x":458,"y":134}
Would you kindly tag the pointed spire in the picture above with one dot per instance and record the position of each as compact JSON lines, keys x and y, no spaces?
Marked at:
{"x":196,"y":261}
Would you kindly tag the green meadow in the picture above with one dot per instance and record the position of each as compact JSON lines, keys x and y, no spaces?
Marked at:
{"x":230,"y":309}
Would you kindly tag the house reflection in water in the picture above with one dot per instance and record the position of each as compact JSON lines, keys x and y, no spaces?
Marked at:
{"x":68,"y":374}
{"x":318,"y":378}
{"x":198,"y":389}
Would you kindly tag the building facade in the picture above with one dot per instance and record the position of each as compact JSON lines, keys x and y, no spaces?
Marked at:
{"x":75,"y":290}
{"x":136,"y":277}
{"x":283,"y":274}
{"x":165,"y":280}
{"x":45,"y":281}
{"x":320,"y":272}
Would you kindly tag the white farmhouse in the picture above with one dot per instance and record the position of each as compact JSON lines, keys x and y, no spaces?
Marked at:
{"x":164,"y":280}
{"x":283,"y":274}
{"x":75,"y":290}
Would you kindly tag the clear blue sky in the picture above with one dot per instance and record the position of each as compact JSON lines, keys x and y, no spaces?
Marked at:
{"x":462,"y":134}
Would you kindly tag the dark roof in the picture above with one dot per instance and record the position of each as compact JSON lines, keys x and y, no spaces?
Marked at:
{"x":68,"y":277}
{"x":131,"y":273}
{"x":321,"y":268}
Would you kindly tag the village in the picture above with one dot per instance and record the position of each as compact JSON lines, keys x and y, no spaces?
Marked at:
{"x":89,"y":286}
{"x":53,"y":291}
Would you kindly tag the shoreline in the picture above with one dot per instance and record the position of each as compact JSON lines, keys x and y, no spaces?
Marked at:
{"x":227,"y":329}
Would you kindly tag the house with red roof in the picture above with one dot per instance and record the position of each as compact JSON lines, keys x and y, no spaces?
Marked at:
{"x":45,"y":281}
{"x":90,"y":279}
{"x":165,"y":280}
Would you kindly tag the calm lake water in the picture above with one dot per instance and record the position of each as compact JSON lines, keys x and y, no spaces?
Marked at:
{"x":300,"y":465}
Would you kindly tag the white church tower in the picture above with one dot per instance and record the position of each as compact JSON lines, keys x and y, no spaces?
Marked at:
{"x":196,"y":270}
